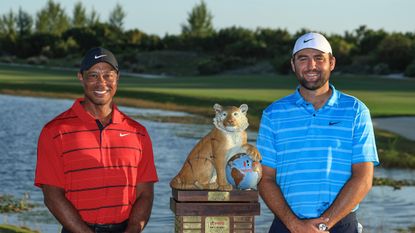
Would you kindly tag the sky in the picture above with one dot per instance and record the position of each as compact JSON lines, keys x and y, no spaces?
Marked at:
{"x":163,"y":17}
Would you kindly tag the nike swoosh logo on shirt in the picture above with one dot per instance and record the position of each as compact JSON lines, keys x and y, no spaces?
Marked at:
{"x":103,"y":55}
{"x":334,"y":122}
{"x":123,"y":134}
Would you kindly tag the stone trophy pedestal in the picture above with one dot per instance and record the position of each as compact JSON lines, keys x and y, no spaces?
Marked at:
{"x":207,"y":211}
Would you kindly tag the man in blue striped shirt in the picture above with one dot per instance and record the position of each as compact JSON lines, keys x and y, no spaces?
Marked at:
{"x":318,"y":148}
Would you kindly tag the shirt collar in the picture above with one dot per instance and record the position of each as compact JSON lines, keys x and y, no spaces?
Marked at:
{"x":299,"y":100}
{"x":85,"y":116}
{"x":334,"y":98}
{"x":117,"y":116}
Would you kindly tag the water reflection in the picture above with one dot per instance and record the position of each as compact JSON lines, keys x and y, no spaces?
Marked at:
{"x":23,"y":117}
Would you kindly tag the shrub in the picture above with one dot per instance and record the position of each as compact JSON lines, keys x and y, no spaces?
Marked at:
{"x":396,"y":51}
{"x":7,"y":59}
{"x":410,"y":70}
{"x":381,"y":68}
{"x":11,"y":204}
{"x":282,"y":64}
{"x":138,"y":68}
{"x":360,"y":65}
{"x":38,"y":60}
{"x":220,"y":63}
{"x":209,"y":66}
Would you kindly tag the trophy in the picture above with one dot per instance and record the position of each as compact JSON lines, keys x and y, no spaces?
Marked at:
{"x":215,"y":190}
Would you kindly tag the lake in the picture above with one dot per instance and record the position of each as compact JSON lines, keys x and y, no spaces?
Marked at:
{"x":22,"y":118}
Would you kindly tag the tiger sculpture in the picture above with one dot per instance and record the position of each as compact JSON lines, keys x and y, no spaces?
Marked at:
{"x":204,"y":168}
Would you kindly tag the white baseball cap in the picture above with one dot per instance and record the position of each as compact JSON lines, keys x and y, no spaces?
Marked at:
{"x":312,"y":40}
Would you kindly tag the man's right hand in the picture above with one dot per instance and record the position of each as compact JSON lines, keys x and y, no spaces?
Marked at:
{"x":306,"y":225}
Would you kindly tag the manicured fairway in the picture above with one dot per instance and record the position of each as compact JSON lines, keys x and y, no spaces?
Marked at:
{"x":385,"y":97}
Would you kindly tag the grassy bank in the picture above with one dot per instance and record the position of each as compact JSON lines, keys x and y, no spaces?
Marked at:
{"x":5,"y":228}
{"x":11,"y":204}
{"x":385,"y":97}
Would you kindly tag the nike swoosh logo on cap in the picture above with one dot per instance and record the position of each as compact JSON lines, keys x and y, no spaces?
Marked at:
{"x":305,"y":41}
{"x":103,"y":55}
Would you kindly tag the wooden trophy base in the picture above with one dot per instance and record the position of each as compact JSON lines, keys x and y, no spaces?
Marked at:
{"x":214,"y":211}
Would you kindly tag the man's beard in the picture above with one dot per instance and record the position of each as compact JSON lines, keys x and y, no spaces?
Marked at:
{"x":312,"y":86}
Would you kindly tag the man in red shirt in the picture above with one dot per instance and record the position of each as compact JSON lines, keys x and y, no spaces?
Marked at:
{"x":95,"y":165}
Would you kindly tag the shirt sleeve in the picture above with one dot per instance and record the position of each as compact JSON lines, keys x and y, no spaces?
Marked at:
{"x":364,"y":145}
{"x":147,"y":169}
{"x":49,"y":167}
{"x":266,"y":141}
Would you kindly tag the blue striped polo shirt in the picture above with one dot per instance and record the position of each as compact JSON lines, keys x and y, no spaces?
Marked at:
{"x":313,"y":150}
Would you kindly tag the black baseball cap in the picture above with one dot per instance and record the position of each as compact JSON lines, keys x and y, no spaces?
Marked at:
{"x":96,"y":55}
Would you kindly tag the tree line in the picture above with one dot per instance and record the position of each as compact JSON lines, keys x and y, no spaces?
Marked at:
{"x":52,"y":33}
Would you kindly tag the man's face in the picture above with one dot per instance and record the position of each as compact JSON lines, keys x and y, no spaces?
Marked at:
{"x":100,"y":83}
{"x":312,"y":68}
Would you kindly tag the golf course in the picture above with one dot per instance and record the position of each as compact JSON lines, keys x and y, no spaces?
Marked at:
{"x":166,"y":65}
{"x":384,"y":96}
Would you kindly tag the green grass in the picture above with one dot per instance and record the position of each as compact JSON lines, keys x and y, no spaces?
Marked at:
{"x":5,"y":228}
{"x":197,"y":94}
{"x":410,"y":229}
{"x":385,"y":97}
{"x":394,"y":150}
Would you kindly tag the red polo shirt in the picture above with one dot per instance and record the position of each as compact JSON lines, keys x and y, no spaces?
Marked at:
{"x":98,"y":168}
